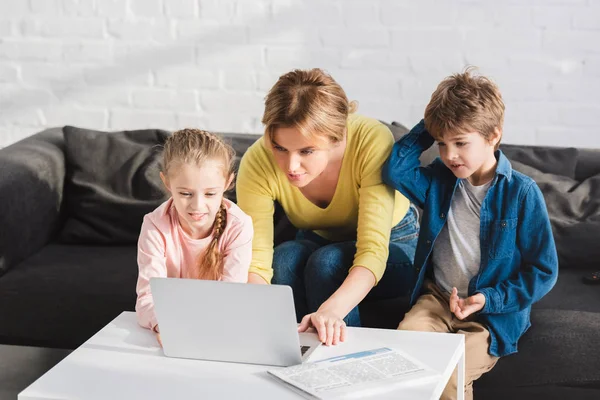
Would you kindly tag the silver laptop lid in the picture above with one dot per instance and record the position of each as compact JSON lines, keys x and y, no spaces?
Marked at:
{"x":225,"y":321}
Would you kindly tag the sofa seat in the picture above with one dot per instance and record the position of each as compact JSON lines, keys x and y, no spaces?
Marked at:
{"x":62,"y":295}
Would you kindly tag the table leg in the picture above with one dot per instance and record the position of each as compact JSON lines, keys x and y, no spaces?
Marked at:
{"x":460,"y":378}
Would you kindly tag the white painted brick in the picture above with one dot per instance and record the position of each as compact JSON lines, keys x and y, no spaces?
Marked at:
{"x":314,"y":12}
{"x":409,"y":40}
{"x":88,"y":52}
{"x":300,"y":57}
{"x":80,"y":117}
{"x":186,"y":77}
{"x":580,"y":91}
{"x":13,"y":8}
{"x":125,"y":72}
{"x":25,"y":50}
{"x":163,"y":99}
{"x":152,"y":56}
{"x":220,"y":102}
{"x":147,"y":8}
{"x":438,"y":63}
{"x":519,"y":17}
{"x":571,"y":42}
{"x":356,"y":37}
{"x":374,"y":58}
{"x":6,"y":28}
{"x":552,"y":17}
{"x":217,"y":10}
{"x":543,"y":66}
{"x":514,"y":89}
{"x":46,"y":7}
{"x":198,"y":32}
{"x":82,"y":8}
{"x":139,"y":119}
{"x":22,"y":116}
{"x":159,"y":31}
{"x":240,"y":79}
{"x":181,"y":8}
{"x":417,"y":91}
{"x":514,"y":40}
{"x":530,"y":113}
{"x":564,"y":137}
{"x":577,"y":115}
{"x":280,"y":32}
{"x":9,"y":73}
{"x":361,"y":13}
{"x":519,"y":134}
{"x":111,"y":8}
{"x":419,"y":15}
{"x":224,"y":56}
{"x":250,"y":12}
{"x":266,"y":79}
{"x":361,"y":85}
{"x":591,"y":66}
{"x":190,"y":120}
{"x":51,"y":75}
{"x":223,"y":122}
{"x":386,"y":109}
{"x":65,"y":27}
{"x":98,"y":96}
{"x":587,"y":17}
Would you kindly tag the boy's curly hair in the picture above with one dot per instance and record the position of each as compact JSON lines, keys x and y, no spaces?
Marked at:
{"x":465,"y":102}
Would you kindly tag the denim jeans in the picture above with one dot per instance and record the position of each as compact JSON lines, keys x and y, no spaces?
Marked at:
{"x":315,"y":267}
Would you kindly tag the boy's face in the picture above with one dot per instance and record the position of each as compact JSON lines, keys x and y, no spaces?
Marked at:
{"x":469,"y":155}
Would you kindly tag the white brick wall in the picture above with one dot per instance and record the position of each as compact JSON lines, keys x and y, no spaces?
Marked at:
{"x":128,"y":64}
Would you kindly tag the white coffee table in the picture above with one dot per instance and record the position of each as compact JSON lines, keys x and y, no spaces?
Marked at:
{"x":124,"y":361}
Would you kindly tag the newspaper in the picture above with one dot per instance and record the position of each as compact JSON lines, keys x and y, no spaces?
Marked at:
{"x":355,"y":375}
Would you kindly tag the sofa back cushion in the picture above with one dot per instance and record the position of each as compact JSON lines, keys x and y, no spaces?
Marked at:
{"x":112,"y":181}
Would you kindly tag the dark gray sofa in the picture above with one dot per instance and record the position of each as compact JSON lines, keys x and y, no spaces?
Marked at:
{"x":57,"y":295}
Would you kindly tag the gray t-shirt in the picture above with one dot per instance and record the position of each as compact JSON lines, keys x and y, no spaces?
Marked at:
{"x":456,"y":253}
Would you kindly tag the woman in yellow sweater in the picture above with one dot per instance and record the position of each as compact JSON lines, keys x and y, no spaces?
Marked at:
{"x":322,"y":163}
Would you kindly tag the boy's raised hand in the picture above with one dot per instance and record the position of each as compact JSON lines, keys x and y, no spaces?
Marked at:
{"x":462,"y":308}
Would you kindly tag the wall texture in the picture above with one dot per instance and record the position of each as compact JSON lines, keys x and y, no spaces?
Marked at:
{"x":124,"y":64}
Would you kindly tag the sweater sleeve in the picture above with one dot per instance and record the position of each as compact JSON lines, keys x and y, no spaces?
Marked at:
{"x":376,"y":202}
{"x":238,"y":254}
{"x":255,"y":197}
{"x":151,"y":263}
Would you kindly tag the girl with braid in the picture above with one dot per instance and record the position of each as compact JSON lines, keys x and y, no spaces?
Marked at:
{"x":197,"y":233}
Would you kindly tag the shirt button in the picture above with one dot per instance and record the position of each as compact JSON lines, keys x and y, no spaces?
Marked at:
{"x":503,"y":223}
{"x":442,"y":215}
{"x":429,"y":242}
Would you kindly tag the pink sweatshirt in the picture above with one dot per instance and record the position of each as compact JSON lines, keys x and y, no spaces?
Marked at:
{"x":165,"y":250}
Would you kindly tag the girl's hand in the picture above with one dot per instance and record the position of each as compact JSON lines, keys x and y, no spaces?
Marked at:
{"x":155,"y":330}
{"x":462,"y":308}
{"x":330,"y":327}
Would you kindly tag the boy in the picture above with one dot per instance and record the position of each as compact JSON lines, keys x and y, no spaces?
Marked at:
{"x":486,"y":251}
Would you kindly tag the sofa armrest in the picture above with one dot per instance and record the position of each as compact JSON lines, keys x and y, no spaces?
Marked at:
{"x":32,"y":173}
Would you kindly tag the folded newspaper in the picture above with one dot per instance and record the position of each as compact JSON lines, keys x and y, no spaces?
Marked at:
{"x":355,"y":375}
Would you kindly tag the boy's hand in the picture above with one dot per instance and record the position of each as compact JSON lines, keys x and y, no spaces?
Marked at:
{"x":462,"y":308}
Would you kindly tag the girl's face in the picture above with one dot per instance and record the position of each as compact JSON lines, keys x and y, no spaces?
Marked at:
{"x":197,"y":193}
{"x":301,"y":159}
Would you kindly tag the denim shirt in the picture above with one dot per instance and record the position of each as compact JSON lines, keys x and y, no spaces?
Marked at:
{"x":519,"y":263}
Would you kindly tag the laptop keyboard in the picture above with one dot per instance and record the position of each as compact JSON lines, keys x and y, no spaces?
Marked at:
{"x":304,"y":349}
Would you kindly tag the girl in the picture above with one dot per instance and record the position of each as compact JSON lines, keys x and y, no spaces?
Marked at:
{"x":323,"y":165}
{"x":197,"y":233}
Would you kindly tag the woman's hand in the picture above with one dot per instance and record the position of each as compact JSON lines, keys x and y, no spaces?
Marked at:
{"x":462,"y":308}
{"x":330,"y":327}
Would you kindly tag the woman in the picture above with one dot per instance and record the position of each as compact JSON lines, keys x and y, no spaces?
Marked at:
{"x":322,"y":163}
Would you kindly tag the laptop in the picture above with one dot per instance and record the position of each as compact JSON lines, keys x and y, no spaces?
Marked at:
{"x":224,"y":321}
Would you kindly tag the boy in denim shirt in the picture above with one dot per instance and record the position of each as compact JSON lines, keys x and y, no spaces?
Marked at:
{"x":486,"y":251}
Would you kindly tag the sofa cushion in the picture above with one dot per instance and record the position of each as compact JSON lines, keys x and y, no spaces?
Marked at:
{"x":552,"y":160}
{"x":574,"y":209}
{"x":63,"y":294}
{"x":564,"y":329}
{"x":112,"y":181}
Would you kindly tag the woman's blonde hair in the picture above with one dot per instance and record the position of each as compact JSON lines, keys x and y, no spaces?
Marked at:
{"x":195,"y":146}
{"x":310,"y":101}
{"x":462,"y":102}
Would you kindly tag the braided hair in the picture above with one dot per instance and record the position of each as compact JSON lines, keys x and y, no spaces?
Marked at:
{"x":195,"y":146}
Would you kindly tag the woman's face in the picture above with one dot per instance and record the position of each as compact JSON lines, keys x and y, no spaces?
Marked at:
{"x":301,"y":159}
